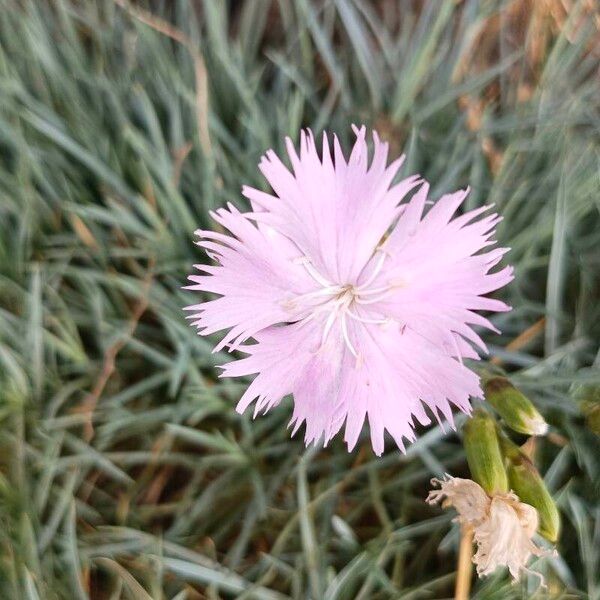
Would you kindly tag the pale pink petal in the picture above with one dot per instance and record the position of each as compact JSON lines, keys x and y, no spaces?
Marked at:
{"x":437,"y":268}
{"x":255,"y":284}
{"x":337,"y":214}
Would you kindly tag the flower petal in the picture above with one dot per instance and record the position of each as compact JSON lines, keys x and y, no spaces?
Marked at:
{"x":337,"y":214}
{"x":436,"y":269}
{"x":395,"y":375}
{"x":255,"y":283}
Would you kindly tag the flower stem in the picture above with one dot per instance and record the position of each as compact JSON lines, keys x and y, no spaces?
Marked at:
{"x":464,"y":568}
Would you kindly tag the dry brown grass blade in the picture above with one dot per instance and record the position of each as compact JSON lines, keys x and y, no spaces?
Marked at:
{"x":83,"y":232}
{"x":200,"y":72}
{"x":523,"y":339}
{"x":527,"y":25}
{"x":179,"y":157}
{"x":464,"y":569}
{"x":109,"y":363}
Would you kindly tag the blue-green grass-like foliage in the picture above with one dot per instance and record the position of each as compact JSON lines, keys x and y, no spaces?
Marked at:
{"x":124,"y":470}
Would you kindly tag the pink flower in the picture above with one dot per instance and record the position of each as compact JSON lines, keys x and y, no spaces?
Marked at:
{"x":359,"y":304}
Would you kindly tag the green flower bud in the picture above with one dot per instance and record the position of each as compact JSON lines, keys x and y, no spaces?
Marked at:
{"x":516,"y":409}
{"x":526,"y":481}
{"x":483,"y":453}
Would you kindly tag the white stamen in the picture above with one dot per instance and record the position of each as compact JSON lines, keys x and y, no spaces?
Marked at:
{"x":376,"y":299}
{"x":328,"y":325}
{"x":325,"y":291}
{"x":346,"y":336}
{"x":373,"y":276}
{"x":338,"y":299}
{"x":376,"y":291}
{"x":305,"y":261}
{"x":366,"y":320}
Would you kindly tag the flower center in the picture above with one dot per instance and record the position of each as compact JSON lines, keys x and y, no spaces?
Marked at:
{"x":342,"y":301}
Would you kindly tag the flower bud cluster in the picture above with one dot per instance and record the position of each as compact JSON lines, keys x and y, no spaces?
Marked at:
{"x":507,"y":502}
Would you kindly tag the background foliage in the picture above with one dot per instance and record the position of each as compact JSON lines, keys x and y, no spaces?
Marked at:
{"x":124,"y":471}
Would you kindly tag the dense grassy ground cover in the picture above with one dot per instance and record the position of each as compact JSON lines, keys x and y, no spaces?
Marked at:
{"x":124,"y":470}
